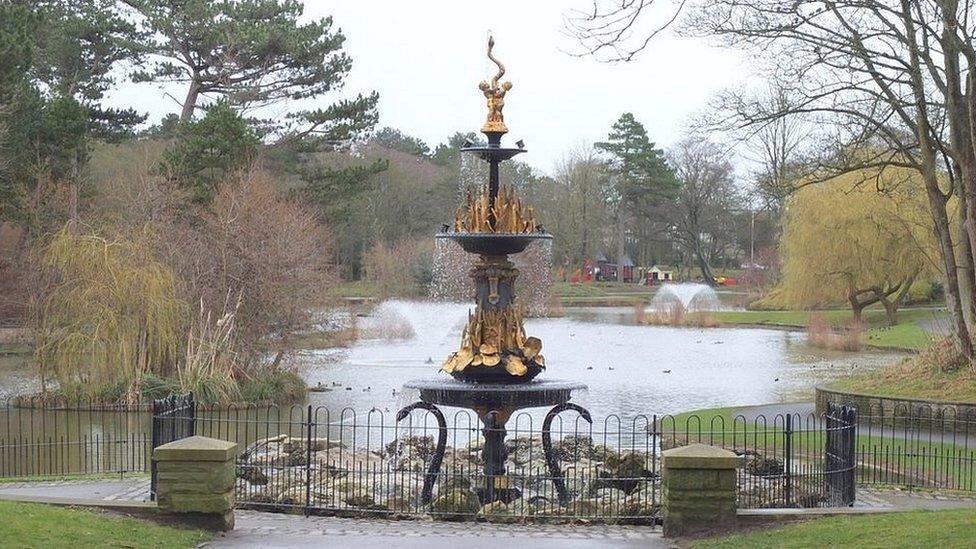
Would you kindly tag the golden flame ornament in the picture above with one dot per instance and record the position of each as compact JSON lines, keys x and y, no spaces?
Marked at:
{"x":508,"y":214}
{"x":491,"y":338}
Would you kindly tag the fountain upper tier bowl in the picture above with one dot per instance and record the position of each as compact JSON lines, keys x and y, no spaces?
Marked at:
{"x":494,"y":243}
{"x":492,"y":154}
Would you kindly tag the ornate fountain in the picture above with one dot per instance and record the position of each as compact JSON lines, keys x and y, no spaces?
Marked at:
{"x":496,"y":363}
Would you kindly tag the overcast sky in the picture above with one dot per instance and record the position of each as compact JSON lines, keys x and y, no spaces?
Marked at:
{"x":426,"y":57}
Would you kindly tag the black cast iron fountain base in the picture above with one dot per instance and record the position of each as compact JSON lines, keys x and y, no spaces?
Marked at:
{"x":494,"y":403}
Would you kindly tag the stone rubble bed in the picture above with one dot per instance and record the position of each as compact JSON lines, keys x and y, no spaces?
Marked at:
{"x":605,"y":485}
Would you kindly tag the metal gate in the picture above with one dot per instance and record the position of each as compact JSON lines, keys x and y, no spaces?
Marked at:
{"x":172,"y":419}
{"x":839,"y":454}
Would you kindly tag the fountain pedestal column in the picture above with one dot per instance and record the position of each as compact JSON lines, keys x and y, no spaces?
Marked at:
{"x":494,"y":279}
{"x":494,"y":403}
{"x":494,"y":453}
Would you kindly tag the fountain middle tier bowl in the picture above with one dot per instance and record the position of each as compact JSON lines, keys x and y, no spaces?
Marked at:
{"x":497,"y":374}
{"x":494,"y":243}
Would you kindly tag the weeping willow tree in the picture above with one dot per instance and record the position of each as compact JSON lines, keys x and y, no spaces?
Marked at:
{"x":110,"y":315}
{"x":862,"y":237}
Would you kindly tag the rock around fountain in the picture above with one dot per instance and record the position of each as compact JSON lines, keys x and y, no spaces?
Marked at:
{"x":495,"y":367}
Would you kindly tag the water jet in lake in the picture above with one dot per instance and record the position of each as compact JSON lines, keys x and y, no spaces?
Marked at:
{"x":691,"y":296}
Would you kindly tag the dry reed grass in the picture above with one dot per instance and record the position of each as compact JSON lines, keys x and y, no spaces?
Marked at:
{"x":848,"y":337}
{"x":640,"y":312}
{"x":554,"y":306}
{"x":208,"y":368}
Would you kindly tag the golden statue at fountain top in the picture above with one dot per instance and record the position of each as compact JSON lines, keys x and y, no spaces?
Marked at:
{"x":495,"y":94}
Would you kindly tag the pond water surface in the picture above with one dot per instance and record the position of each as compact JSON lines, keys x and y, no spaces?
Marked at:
{"x":630,"y":369}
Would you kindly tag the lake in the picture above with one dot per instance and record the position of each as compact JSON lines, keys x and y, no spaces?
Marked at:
{"x":629,"y":369}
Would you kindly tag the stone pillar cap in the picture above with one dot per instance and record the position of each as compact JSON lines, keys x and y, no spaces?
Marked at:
{"x":699,"y":456}
{"x":196,"y":448}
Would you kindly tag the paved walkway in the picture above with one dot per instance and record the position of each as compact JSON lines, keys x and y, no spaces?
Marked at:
{"x":272,"y":530}
{"x":903,"y":499}
{"x":130,"y":489}
{"x":267,"y":530}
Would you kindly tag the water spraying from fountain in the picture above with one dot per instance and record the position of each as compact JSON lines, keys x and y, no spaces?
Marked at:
{"x":451,"y":281}
{"x":691,"y":296}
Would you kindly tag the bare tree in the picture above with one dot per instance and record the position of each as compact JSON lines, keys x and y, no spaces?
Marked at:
{"x":580,"y":177}
{"x":887,"y":83}
{"x":777,"y":150}
{"x":701,"y":218}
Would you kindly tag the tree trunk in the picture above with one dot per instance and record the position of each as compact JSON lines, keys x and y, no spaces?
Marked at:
{"x":586,"y":228}
{"x":967,"y":268}
{"x":937,"y":200}
{"x":960,"y":329}
{"x":856,"y":307}
{"x":190,"y":103}
{"x":891,"y":311}
{"x":706,"y":270}
{"x":892,"y":305}
{"x":73,"y":196}
{"x":74,"y":191}
{"x":620,"y":246}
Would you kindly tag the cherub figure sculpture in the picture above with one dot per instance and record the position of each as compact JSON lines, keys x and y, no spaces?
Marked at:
{"x":495,"y":94}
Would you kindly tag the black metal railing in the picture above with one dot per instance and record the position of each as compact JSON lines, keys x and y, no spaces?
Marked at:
{"x":316,"y":460}
{"x":41,"y":438}
{"x":313,"y":460}
{"x":784,"y":457}
{"x":172,"y":420}
{"x":922,"y":446}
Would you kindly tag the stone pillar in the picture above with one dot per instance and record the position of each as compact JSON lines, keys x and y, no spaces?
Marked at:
{"x":195,"y":480}
{"x":698,"y":489}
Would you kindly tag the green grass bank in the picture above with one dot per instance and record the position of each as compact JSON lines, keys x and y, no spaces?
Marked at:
{"x":32,"y":525}
{"x":955,"y":528}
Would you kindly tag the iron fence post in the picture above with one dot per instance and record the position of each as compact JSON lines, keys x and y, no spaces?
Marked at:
{"x":192,"y":407}
{"x":851,"y":456}
{"x":154,"y":436}
{"x":308,"y":462}
{"x":788,"y":466}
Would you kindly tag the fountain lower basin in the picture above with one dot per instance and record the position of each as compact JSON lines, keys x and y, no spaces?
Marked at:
{"x":495,"y":396}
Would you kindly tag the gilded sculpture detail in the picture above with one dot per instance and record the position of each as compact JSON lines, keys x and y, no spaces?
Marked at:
{"x":506,"y":214}
{"x":495,"y":94}
{"x":493,"y":344}
{"x":495,"y":337}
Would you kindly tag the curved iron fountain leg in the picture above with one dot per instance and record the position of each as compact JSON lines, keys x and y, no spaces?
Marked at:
{"x":435,"y":462}
{"x":551,"y":461}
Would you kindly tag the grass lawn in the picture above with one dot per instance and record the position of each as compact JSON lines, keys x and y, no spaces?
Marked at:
{"x":706,"y":414}
{"x":953,"y":528}
{"x":14,"y":349}
{"x":36,"y":525}
{"x":601,"y":293}
{"x":907,"y":334}
{"x":913,"y":380}
{"x":355,"y":288}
